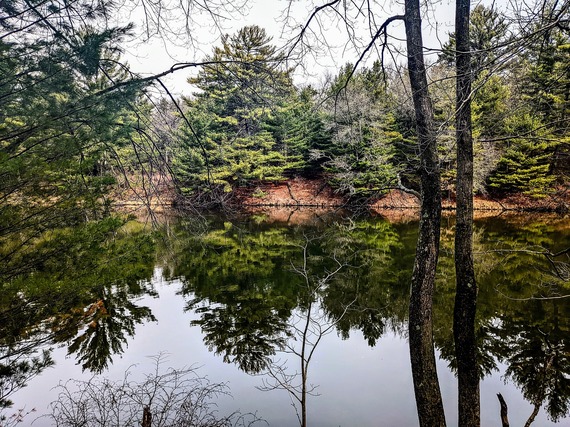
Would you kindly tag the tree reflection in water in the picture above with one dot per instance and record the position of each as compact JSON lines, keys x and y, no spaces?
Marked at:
{"x":259,"y":291}
{"x":266,"y":314}
{"x":232,"y":280}
{"x":306,"y":328}
{"x":79,"y":293}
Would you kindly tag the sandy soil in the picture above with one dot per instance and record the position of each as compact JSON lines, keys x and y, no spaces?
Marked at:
{"x":296,"y":192}
{"x":300,"y":200}
{"x":303,"y":192}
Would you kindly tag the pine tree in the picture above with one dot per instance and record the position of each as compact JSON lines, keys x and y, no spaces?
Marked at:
{"x":546,"y":86}
{"x":535,"y":143}
{"x":360,"y":157}
{"x":488,"y":32}
{"x":58,"y":121}
{"x":525,"y":163}
{"x":243,"y":88}
{"x":300,"y":130}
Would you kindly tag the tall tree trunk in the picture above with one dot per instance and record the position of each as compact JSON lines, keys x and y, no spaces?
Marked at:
{"x":466,"y":291}
{"x":426,"y":385}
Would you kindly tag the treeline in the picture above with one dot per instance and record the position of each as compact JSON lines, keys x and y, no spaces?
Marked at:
{"x":76,"y":124}
{"x":247,"y":122}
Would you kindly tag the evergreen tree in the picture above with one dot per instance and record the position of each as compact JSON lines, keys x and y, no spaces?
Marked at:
{"x":534,"y":144}
{"x":64,"y":112}
{"x":59,"y":120}
{"x":546,"y":87}
{"x":490,"y":105}
{"x":488,"y":33}
{"x":231,"y":140}
{"x":547,"y":82}
{"x":525,"y":162}
{"x":300,"y":128}
{"x":442,"y":91}
{"x":490,"y":110}
{"x":360,"y":158}
{"x":406,"y":155}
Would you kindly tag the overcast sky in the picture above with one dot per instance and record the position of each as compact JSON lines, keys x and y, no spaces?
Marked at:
{"x":158,"y":54}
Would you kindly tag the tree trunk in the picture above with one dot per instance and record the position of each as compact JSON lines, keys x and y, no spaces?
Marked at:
{"x":504,"y":411}
{"x":466,"y":291}
{"x":304,"y":366}
{"x":426,"y":385}
{"x":147,"y":417}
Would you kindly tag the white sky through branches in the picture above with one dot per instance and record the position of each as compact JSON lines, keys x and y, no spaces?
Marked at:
{"x":330,"y":44}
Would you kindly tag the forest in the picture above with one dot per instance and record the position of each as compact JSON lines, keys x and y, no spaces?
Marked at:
{"x":486,"y":114}
{"x":76,"y":123}
{"x":250,"y":123}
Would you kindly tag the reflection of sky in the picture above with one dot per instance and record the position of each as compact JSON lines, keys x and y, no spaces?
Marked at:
{"x":358,"y":385}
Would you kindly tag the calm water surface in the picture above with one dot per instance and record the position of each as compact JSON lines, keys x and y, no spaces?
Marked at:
{"x":232,"y":299}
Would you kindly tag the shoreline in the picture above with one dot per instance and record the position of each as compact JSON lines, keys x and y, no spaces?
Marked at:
{"x":316,"y":195}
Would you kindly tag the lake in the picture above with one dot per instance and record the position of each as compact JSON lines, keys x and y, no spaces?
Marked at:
{"x":244,"y":300}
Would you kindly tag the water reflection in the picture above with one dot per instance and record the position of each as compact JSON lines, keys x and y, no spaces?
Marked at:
{"x":81,"y":293}
{"x":253,"y":287}
{"x":537,"y":354}
{"x":371,"y":294}
{"x":232,"y":279}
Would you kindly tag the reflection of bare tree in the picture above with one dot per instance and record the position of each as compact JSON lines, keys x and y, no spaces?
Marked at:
{"x":171,"y":397}
{"x":559,"y":263}
{"x":308,"y":325}
{"x":538,"y":363}
{"x":550,"y":273}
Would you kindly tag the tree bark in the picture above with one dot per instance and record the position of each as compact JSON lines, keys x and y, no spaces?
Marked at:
{"x":504,"y":411}
{"x":466,"y":290}
{"x":532,"y":416}
{"x":147,"y":417}
{"x":426,"y":385}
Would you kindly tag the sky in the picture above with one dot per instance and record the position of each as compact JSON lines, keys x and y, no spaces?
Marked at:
{"x":157,"y":54}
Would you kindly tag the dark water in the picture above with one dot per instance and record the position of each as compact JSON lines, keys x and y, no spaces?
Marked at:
{"x":244,"y":300}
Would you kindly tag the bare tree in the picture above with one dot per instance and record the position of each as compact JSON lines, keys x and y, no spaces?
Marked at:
{"x":466,"y":290}
{"x":428,"y":395}
{"x":171,"y":397}
{"x":308,"y":327}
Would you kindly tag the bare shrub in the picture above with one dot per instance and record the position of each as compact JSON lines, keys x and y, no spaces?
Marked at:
{"x":166,"y":397}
